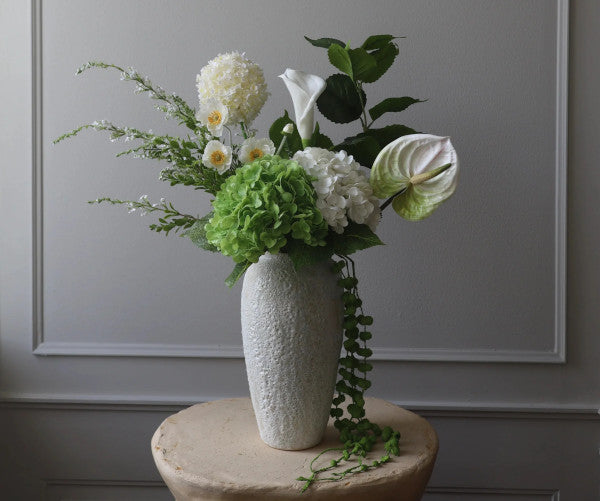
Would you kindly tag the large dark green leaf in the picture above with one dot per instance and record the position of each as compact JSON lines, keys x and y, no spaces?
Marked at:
{"x":340,"y":101}
{"x":362,"y":63}
{"x":364,"y":149}
{"x":325,"y":43}
{"x":375,"y":42}
{"x":320,"y":140}
{"x":305,"y":255}
{"x":355,"y":237}
{"x":384,"y":58}
{"x":294,"y":142}
{"x":386,"y":135}
{"x":392,"y":104}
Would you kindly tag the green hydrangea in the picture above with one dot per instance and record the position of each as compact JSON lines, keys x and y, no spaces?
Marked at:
{"x":261,"y":206}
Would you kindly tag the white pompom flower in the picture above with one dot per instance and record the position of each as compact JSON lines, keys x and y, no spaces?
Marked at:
{"x":253,"y":148}
{"x":213,"y":114}
{"x":217,"y":156}
{"x":343,"y":190}
{"x":236,"y":82}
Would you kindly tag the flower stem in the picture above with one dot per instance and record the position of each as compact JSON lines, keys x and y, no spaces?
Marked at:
{"x":244,"y":131}
{"x":391,"y":199}
{"x":281,"y":145}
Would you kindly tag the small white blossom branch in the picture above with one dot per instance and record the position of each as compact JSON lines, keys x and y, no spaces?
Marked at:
{"x":173,"y":106}
{"x":171,"y":220}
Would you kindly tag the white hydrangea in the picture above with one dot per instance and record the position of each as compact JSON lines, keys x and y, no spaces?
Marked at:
{"x":236,"y":82}
{"x":343,"y":189}
{"x":253,"y":148}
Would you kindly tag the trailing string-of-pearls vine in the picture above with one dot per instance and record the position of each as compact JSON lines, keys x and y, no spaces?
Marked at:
{"x":357,"y":433}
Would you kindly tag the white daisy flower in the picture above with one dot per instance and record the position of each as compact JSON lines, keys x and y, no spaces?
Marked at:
{"x":217,"y":156}
{"x":253,"y":148}
{"x":213,"y":114}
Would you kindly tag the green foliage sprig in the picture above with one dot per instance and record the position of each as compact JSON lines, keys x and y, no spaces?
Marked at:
{"x":171,"y":220}
{"x":182,"y":154}
{"x":171,"y":104}
{"x":357,"y":433}
{"x":345,"y":100}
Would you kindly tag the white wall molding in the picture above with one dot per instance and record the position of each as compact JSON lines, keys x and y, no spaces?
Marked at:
{"x":449,"y":410}
{"x":47,"y":347}
{"x":236,"y":352}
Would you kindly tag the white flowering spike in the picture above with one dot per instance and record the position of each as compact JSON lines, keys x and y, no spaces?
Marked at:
{"x":422,"y":168}
{"x":305,"y":89}
{"x":343,"y":190}
{"x":237,"y":83}
{"x":253,"y":148}
{"x":217,"y":156}
{"x":213,"y":114}
{"x":288,"y":129}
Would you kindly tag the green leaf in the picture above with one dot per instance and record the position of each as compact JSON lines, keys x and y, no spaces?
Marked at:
{"x":325,"y":43}
{"x":364,"y":149}
{"x":356,"y":411}
{"x":294,"y":142}
{"x":321,"y":140}
{"x":197,"y":234}
{"x":392,"y":104}
{"x":340,"y":101}
{"x":377,"y":41}
{"x":340,"y":58}
{"x":362,"y":63}
{"x":355,"y":237}
{"x":386,"y":135}
{"x":384,"y":58}
{"x":238,"y":270}
{"x":305,"y":255}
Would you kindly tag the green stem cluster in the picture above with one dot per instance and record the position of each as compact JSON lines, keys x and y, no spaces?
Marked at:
{"x":357,"y":433}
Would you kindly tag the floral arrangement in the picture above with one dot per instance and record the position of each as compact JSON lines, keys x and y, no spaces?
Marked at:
{"x":297,"y":192}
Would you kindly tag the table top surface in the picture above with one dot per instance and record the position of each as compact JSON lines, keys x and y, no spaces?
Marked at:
{"x":213,"y":451}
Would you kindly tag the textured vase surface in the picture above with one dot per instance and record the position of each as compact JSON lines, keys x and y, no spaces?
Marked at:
{"x":292,"y":334}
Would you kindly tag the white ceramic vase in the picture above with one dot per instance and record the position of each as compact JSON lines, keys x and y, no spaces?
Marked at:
{"x":292,"y":334}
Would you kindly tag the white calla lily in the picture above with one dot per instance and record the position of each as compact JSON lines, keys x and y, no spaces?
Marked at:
{"x":420,"y":170}
{"x":305,"y":89}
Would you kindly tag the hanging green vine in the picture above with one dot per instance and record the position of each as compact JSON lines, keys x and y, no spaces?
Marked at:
{"x":357,"y":433}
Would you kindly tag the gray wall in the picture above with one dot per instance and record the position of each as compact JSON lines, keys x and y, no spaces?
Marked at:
{"x":106,"y":328}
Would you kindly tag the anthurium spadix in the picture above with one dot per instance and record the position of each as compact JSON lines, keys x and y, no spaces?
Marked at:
{"x":419,"y":171}
{"x":305,"y":89}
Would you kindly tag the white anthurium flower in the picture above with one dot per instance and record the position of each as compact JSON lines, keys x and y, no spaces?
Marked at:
{"x":305,"y":89}
{"x":253,"y":148}
{"x":213,"y":114}
{"x":217,"y":156}
{"x":420,"y":170}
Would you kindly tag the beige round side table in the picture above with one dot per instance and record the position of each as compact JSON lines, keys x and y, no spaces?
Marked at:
{"x":213,"y":451}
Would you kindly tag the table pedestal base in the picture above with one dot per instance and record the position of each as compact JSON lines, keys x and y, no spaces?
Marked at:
{"x":212,"y":451}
